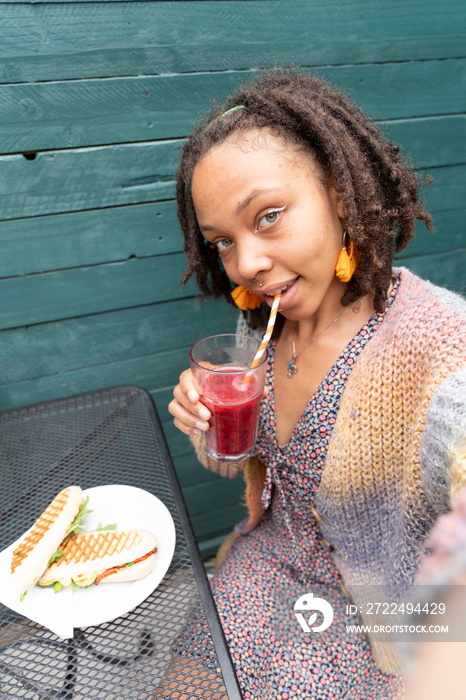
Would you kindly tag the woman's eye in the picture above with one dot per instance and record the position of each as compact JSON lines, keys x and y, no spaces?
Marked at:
{"x":222,"y":244}
{"x":270,"y":218}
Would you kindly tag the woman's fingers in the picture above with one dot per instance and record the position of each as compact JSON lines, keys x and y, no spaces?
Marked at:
{"x":186,"y":421}
{"x":190,"y":416}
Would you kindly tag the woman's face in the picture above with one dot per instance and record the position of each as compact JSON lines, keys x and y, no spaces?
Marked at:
{"x":264,"y":206}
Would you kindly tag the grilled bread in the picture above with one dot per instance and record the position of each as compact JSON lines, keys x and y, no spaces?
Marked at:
{"x":93,"y":556}
{"x":31,"y":556}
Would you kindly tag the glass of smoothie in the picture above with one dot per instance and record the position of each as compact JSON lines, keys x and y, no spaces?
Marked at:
{"x":231,"y":391}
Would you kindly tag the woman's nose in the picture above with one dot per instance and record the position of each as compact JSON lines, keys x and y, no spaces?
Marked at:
{"x":251,"y":262}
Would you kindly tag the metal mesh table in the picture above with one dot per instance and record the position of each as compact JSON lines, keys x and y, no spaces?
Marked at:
{"x":104,"y":437}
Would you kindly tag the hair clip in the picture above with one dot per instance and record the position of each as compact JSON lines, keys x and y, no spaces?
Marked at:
{"x":232,"y":109}
{"x":245,"y":299}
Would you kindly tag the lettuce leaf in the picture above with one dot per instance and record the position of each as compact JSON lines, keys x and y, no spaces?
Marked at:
{"x":112,"y":526}
{"x":73,"y":529}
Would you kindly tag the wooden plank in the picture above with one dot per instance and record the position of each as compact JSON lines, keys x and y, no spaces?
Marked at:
{"x":200,"y":498}
{"x":162,"y":396}
{"x":70,"y":114}
{"x":219,"y":521}
{"x":91,"y":341}
{"x":149,"y":372}
{"x":444,"y":269}
{"x":449,"y":234}
{"x":209,"y":546}
{"x":105,"y":176}
{"x":89,"y":290}
{"x":47,"y":41}
{"x":60,"y":241}
{"x":431,"y":142}
{"x":447,"y":188}
{"x":87,"y":178}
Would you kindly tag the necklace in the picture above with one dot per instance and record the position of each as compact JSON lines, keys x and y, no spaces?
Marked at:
{"x":291,"y":366}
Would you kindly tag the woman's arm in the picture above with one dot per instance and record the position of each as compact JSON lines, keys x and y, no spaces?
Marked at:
{"x":443,"y":447}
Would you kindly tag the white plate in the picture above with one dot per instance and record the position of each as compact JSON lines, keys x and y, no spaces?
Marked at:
{"x":128,"y":507}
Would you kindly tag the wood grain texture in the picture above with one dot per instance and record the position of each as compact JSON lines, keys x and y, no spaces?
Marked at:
{"x":44,"y":243}
{"x":444,"y":269}
{"x":431,"y":141}
{"x":44,"y":349}
{"x":447,"y":188}
{"x":47,"y":41}
{"x":70,"y":114}
{"x":87,"y":178}
{"x":90,"y":290}
{"x":151,"y":371}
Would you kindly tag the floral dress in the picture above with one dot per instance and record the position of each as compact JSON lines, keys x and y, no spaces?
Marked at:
{"x":286,"y":557}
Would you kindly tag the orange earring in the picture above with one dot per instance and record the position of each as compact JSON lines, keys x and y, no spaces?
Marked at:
{"x":347,"y":262}
{"x":246,"y":299}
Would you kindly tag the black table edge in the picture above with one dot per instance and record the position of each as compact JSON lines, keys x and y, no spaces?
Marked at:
{"x":220,"y":643}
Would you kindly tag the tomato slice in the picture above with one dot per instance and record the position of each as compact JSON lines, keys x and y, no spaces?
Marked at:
{"x":114,"y":569}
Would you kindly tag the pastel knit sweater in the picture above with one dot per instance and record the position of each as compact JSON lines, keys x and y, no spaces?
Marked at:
{"x":398,"y":448}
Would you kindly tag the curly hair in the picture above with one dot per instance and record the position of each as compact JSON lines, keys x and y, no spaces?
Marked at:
{"x":377,"y":187}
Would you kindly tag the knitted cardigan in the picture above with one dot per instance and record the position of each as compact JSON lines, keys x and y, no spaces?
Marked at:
{"x":397,"y":452}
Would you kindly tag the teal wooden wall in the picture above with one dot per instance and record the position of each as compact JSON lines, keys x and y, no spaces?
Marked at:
{"x":95,"y":100}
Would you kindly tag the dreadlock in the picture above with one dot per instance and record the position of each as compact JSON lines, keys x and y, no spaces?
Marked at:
{"x":378,"y":190}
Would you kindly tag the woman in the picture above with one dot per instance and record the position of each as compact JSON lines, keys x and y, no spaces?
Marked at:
{"x":290,"y":188}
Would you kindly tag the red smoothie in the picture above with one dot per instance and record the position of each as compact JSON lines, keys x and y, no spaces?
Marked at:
{"x":234,"y":406}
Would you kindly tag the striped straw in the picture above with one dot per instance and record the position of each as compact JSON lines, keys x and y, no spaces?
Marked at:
{"x":267,"y":335}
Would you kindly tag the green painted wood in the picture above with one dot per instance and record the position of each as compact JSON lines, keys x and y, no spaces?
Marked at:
{"x":161,"y":398}
{"x":47,"y":41}
{"x":431,"y":142}
{"x":66,"y":114}
{"x":209,"y":547}
{"x":89,"y":290}
{"x":90,"y":341}
{"x":87,"y":178}
{"x":218,"y":521}
{"x":150,"y":372}
{"x":447,"y":188}
{"x":190,"y":471}
{"x":59,"y":241}
{"x":105,"y":176}
{"x":449,"y":234}
{"x":201,"y":497}
{"x":444,"y":269}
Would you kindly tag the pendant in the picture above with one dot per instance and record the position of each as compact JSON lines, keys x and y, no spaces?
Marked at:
{"x":291,"y":367}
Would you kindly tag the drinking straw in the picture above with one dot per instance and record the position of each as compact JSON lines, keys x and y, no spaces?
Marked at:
{"x":267,"y":335}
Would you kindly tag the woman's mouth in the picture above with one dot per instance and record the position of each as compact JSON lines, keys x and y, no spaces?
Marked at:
{"x":287,"y":291}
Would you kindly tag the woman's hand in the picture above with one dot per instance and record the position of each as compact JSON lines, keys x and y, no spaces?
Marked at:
{"x":190,"y":415}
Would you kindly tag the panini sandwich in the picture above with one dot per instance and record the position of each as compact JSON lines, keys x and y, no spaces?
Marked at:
{"x":41,"y":543}
{"x":103,"y":557}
